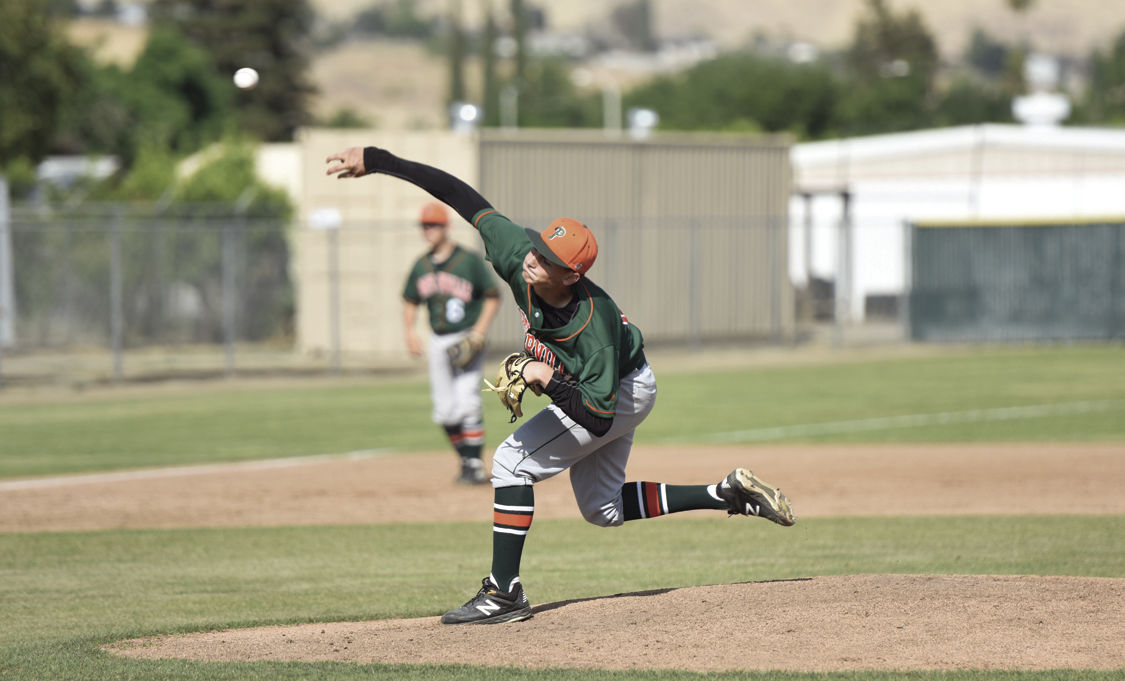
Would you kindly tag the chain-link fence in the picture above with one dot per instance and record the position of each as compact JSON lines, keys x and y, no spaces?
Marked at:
{"x":116,"y":292}
{"x":117,"y":278}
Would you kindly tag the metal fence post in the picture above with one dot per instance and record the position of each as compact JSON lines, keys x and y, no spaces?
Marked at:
{"x":7,"y":298}
{"x":334,"y":294}
{"x":907,"y":278}
{"x":116,"y":298}
{"x":330,"y":221}
{"x":844,"y":288}
{"x":695,"y":270}
{"x":228,"y":296}
{"x":775,"y":227}
{"x":1115,"y":285}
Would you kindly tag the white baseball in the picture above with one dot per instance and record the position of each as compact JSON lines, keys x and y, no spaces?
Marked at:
{"x":245,"y":78}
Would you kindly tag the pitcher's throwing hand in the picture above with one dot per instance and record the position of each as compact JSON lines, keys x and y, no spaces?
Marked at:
{"x":349,"y":163}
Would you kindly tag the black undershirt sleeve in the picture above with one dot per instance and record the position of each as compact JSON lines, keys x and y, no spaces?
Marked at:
{"x":444,"y":187}
{"x":567,"y":396}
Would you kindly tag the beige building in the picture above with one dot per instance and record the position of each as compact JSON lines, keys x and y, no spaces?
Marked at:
{"x":692,"y":230}
{"x":357,"y":239}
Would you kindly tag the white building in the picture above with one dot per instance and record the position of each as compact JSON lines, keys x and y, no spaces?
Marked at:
{"x":980,"y":172}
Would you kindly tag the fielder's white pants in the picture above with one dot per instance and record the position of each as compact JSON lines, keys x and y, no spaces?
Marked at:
{"x":551,"y":442}
{"x":455,"y":393}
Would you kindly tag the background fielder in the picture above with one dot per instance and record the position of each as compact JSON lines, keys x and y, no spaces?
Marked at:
{"x":461,"y":298}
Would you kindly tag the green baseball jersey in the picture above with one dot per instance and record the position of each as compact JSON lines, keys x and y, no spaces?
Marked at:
{"x":598,"y":346}
{"x":453,"y":290}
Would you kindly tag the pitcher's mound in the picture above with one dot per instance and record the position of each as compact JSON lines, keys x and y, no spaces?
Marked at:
{"x":856,"y":622}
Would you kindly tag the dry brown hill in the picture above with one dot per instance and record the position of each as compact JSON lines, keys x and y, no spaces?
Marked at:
{"x":1070,"y":27}
{"x":401,"y":85}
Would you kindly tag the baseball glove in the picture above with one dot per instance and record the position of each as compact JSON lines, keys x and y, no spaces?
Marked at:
{"x":510,"y":383}
{"x":462,"y":353}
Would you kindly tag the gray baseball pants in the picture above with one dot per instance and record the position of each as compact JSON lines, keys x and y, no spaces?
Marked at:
{"x":551,"y":442}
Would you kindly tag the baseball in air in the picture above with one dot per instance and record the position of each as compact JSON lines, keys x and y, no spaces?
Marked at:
{"x":245,"y":78}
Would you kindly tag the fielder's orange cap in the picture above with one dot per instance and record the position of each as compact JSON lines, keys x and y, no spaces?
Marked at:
{"x":566,"y":242}
{"x":434,"y":213}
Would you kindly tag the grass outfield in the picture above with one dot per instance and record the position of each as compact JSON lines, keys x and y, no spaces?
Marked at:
{"x":1074,"y":394}
{"x":63,"y":595}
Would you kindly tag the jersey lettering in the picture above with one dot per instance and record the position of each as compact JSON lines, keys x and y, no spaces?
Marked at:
{"x":446,"y":284}
{"x":539,"y":351}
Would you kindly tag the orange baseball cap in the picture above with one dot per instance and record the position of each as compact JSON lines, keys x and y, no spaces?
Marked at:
{"x":434,"y":213}
{"x":566,"y":242}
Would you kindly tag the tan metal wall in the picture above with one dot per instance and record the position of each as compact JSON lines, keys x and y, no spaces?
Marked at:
{"x":691,"y":229}
{"x":376,"y":243}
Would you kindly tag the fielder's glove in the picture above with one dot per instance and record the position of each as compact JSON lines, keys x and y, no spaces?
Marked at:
{"x":462,"y":353}
{"x":510,"y":383}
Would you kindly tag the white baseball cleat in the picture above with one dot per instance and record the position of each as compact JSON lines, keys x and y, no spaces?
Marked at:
{"x":747,"y":494}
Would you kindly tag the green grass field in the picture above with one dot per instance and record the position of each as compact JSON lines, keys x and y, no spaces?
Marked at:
{"x":63,"y":594}
{"x":225,"y":423}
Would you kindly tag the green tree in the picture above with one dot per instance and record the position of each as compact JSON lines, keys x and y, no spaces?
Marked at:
{"x":519,"y":32}
{"x":743,"y":91}
{"x":456,"y":51}
{"x":172,"y":98}
{"x":892,"y":63}
{"x":490,"y":88}
{"x":176,"y":97}
{"x":970,"y":100}
{"x":149,"y":178}
{"x":548,"y":98}
{"x":95,"y":119}
{"x":402,"y":20}
{"x":986,"y":54}
{"x":886,"y":44}
{"x":38,"y":73}
{"x":271,"y":36}
{"x":1104,"y":100}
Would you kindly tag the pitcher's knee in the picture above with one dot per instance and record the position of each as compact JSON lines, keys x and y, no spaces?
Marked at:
{"x":506,"y":468}
{"x":504,"y":477}
{"x":606,"y":515}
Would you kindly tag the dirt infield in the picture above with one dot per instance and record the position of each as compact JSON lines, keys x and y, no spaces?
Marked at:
{"x":822,"y":481}
{"x":858,"y":622}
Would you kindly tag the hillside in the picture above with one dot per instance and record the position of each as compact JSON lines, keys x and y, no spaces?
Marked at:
{"x":1065,"y":28}
{"x":400,"y":85}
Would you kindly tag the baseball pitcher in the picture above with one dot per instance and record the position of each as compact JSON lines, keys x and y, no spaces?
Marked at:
{"x":581,"y":351}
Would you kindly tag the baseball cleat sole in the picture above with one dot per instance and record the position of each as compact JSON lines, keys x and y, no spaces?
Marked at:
{"x":747,"y":494}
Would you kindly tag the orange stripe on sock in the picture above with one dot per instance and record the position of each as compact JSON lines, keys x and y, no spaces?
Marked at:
{"x":472,"y":434}
{"x":652,"y":499}
{"x":511,"y":519}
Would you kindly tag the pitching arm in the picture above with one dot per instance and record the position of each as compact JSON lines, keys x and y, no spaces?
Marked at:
{"x":455,"y":193}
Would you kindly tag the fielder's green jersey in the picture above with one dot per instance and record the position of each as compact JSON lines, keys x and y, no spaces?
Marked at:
{"x":598,"y":346}
{"x":453,"y":290}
